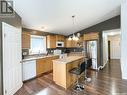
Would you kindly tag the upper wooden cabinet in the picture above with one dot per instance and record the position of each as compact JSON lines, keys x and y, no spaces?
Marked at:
{"x":51,"y":41}
{"x":80,"y":39}
{"x":72,"y":43}
{"x":60,"y":38}
{"x":91,"y":36}
{"x":68,"y":43}
{"x":25,"y":40}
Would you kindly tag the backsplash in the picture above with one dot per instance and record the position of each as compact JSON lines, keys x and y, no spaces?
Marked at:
{"x":50,"y":51}
{"x":75,"y":49}
{"x":25,"y":52}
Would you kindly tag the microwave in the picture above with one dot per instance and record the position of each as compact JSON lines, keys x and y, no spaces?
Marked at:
{"x":59,"y":44}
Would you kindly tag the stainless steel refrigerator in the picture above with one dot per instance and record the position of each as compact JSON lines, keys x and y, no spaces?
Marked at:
{"x":90,"y":49}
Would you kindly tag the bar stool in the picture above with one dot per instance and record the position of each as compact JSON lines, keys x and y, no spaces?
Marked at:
{"x":88,"y":64}
{"x":78,"y":71}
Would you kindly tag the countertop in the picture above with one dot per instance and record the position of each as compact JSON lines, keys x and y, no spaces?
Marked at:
{"x":68,"y":59}
{"x":30,"y":58}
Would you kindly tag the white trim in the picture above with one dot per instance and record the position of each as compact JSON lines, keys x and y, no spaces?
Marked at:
{"x":124,"y":39}
{"x":101,"y":67}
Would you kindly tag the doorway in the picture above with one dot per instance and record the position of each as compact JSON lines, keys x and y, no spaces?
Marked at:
{"x":114,"y":46}
{"x":111,"y":45}
{"x":109,"y":50}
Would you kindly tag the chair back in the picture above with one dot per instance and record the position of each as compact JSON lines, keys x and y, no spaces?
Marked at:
{"x":82,"y":67}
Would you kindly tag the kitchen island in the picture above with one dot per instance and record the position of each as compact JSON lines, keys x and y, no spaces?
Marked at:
{"x":61,"y":67}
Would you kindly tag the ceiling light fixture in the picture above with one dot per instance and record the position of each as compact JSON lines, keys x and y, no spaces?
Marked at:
{"x":74,"y":37}
{"x":43,"y":28}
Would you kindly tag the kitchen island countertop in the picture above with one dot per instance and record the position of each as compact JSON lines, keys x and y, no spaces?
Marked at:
{"x":68,"y":59}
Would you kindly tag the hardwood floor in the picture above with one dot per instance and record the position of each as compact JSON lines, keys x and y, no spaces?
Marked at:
{"x":105,"y":82}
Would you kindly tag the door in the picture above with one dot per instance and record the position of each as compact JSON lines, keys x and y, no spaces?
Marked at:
{"x":12,"y":73}
{"x":109,"y":50}
{"x":115,"y":49}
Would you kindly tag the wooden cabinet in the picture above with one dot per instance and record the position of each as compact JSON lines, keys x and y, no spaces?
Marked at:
{"x":60,"y":38}
{"x":91,"y":36}
{"x":51,"y":41}
{"x":25,"y":40}
{"x":72,"y":43}
{"x":80,"y":39}
{"x":44,"y":65}
{"x":68,"y":43}
{"x":40,"y":66}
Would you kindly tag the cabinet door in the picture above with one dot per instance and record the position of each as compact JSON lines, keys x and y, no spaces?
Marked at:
{"x":51,"y":41}
{"x":74,"y":43}
{"x":60,"y":38}
{"x":25,"y":40}
{"x":40,"y":66}
{"x":57,"y":38}
{"x":68,"y":43}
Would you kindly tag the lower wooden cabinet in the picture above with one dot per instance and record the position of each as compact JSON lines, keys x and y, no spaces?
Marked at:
{"x":40,"y":66}
{"x":44,"y":65}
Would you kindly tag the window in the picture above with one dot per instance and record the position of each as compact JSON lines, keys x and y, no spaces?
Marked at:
{"x":38,"y":44}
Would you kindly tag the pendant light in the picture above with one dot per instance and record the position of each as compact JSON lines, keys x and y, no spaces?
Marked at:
{"x":74,"y":37}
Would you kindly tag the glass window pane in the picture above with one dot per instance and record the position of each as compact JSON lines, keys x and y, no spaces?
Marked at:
{"x":38,"y":44}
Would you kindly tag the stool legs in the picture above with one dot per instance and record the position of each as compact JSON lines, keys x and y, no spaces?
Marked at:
{"x":86,"y":79}
{"x":78,"y":87}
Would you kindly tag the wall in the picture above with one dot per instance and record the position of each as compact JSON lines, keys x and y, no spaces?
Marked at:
{"x":124,"y":39}
{"x":15,"y":21}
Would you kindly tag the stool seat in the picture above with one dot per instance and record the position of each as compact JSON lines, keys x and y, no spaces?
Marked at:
{"x":76,"y":71}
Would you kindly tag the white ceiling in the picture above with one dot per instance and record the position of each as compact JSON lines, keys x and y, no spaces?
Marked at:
{"x":55,"y":15}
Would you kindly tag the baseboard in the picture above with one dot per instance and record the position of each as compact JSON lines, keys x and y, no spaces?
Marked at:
{"x":101,"y":67}
{"x":124,"y":77}
{"x":16,"y":89}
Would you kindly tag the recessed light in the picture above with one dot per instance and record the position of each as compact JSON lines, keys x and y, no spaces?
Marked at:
{"x":43,"y":28}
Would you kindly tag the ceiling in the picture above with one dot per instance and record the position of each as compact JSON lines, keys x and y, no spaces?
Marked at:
{"x":55,"y":15}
